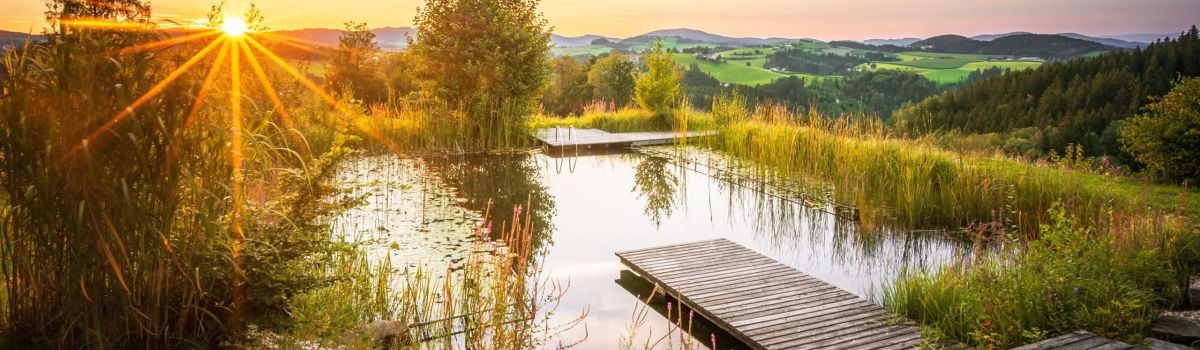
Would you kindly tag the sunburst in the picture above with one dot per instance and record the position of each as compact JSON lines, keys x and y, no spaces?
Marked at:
{"x":229,"y":44}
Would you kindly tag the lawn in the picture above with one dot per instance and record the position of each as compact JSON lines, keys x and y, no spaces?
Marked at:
{"x":737,"y":72}
{"x":594,"y":50}
{"x":950,"y":70}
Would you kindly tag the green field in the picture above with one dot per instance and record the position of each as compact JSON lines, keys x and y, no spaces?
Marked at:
{"x":947,"y":68}
{"x":594,"y":50}
{"x":735,"y":71}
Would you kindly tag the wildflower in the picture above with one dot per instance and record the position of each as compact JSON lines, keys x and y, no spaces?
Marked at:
{"x":517,"y":210}
{"x":713,"y":337}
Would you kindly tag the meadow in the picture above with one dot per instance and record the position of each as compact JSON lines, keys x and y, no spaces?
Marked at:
{"x":737,"y":72}
{"x":949,"y":71}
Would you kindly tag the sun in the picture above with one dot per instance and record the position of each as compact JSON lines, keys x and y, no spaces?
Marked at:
{"x":234,"y":26}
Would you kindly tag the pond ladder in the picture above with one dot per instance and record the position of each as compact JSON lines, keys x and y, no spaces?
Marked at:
{"x":574,"y":160}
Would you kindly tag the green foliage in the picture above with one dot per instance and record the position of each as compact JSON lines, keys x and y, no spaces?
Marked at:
{"x":612,"y":77}
{"x":354,"y":66}
{"x":569,"y":91}
{"x":1167,"y":137}
{"x":1112,"y":283}
{"x":1074,"y":101}
{"x":804,"y":61}
{"x":488,"y":58}
{"x":624,"y":120}
{"x":658,"y":89}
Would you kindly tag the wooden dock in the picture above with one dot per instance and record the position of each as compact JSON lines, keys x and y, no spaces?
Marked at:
{"x":766,"y":304}
{"x":1078,"y":340}
{"x":587,"y":138}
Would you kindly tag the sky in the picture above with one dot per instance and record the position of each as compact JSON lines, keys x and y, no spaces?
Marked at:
{"x":820,"y":19}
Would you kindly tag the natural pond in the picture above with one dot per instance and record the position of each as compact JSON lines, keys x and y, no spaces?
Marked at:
{"x":426,"y":211}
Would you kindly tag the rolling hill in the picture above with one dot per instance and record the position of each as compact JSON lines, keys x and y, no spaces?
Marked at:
{"x":1037,"y":45}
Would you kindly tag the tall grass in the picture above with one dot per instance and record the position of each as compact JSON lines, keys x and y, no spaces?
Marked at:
{"x":627,"y":120}
{"x":1111,"y":283}
{"x":500,"y":300}
{"x":134,"y":232}
{"x":915,"y":185}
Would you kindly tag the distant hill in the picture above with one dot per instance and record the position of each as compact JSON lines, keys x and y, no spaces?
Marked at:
{"x":1037,"y":45}
{"x":1143,"y":38}
{"x":697,"y":36}
{"x":990,"y":37}
{"x":1125,"y":44}
{"x":576,"y":41}
{"x":389,"y":38}
{"x":896,"y":42}
{"x":1072,"y":101}
{"x":8,"y":38}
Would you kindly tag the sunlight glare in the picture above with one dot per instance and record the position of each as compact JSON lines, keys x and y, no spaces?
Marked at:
{"x":234,"y":26}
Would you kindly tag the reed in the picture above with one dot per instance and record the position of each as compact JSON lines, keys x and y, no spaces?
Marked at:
{"x":500,"y":300}
{"x":144,"y":227}
{"x":914,"y":185}
{"x":627,"y":120}
{"x":1112,"y":283}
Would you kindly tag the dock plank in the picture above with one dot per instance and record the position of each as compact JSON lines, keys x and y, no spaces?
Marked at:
{"x":569,"y":137}
{"x":764,"y":303}
{"x":1077,"y":340}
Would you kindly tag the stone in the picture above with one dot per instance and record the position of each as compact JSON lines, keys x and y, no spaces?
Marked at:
{"x":1175,"y":329}
{"x":386,"y":333}
{"x":1156,"y":344}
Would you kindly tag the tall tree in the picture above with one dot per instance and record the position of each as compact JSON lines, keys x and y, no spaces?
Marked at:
{"x":489,"y":58}
{"x":569,"y":91}
{"x":657,"y":89}
{"x":355,"y":65}
{"x":113,"y":10}
{"x":612,"y":78}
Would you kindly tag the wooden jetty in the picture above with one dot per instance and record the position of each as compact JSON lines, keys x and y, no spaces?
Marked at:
{"x":587,"y":138}
{"x":1078,"y":340}
{"x":766,"y":304}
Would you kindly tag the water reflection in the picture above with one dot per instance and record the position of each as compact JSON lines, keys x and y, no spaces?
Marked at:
{"x":499,"y":186}
{"x":587,"y":208}
{"x":657,"y":186}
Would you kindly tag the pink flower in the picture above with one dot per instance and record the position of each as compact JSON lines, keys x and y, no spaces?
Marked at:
{"x":714,"y":340}
{"x":517,"y":210}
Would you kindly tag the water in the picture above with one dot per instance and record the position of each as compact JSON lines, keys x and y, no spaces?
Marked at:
{"x":590,"y":207}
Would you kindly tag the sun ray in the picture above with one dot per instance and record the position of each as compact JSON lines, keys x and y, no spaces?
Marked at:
{"x":209,"y":80}
{"x":298,"y":43}
{"x":271,"y":94}
{"x":235,"y":159}
{"x":154,"y":91}
{"x":346,"y":113}
{"x":167,"y":42}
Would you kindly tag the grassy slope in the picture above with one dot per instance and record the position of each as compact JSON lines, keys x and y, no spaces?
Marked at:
{"x":950,"y":73}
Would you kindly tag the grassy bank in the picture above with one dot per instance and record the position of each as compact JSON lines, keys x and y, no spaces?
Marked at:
{"x":628,"y":120}
{"x":1110,"y":283}
{"x":1060,"y":248}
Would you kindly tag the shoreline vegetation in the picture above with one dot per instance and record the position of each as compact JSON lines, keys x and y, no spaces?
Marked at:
{"x":162,"y":193}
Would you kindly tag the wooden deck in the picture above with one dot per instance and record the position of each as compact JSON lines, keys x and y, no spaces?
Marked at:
{"x":766,"y":304}
{"x":585,"y":138}
{"x":1078,"y":340}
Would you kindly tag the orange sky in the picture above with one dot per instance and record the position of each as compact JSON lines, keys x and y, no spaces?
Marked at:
{"x":821,"y":19}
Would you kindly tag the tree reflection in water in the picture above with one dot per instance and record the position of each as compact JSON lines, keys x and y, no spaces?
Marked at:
{"x":658,"y":186}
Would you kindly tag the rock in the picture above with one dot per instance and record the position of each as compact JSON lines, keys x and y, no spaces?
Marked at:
{"x":1175,"y":329}
{"x":1194,"y":293}
{"x":1155,"y":344}
{"x":386,"y":333}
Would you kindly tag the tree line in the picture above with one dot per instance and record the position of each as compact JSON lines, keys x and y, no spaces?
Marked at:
{"x":1075,"y":102}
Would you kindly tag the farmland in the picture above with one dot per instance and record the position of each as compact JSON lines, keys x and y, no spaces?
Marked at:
{"x":949,"y":71}
{"x":744,"y":70}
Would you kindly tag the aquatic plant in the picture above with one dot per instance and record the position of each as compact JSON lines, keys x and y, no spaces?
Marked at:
{"x":1111,"y":283}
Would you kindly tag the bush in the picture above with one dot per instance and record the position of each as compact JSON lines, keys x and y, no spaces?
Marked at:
{"x":1166,"y":138}
{"x":1109,"y":283}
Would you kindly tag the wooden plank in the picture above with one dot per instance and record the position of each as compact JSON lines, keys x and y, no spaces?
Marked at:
{"x":1081,"y":340}
{"x":764,"y":303}
{"x":570,"y":137}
